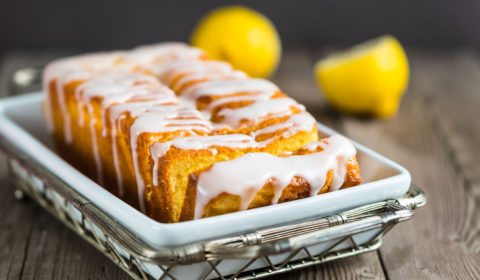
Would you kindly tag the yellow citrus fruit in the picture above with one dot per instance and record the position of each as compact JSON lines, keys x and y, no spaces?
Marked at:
{"x":369,"y":78}
{"x":241,"y":36}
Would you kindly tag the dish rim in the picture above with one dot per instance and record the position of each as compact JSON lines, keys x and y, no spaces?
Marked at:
{"x":165,"y":235}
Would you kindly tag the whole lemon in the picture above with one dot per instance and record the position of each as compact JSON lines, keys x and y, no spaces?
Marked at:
{"x":241,"y":36}
{"x":369,"y":78}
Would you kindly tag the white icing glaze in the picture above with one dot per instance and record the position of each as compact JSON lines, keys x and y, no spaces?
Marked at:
{"x":107,"y":86}
{"x":258,"y":110}
{"x":313,"y":146}
{"x":134,"y":109}
{"x":77,"y":68}
{"x":155,"y":56}
{"x":183,"y":82}
{"x":163,"y":119}
{"x":246,"y":175}
{"x":96,"y":152}
{"x":228,"y":87}
{"x":189,"y":67}
{"x":158,"y":150}
{"x":157,"y":95}
{"x":61,"y":72}
{"x":265,"y":95}
{"x":207,"y":113}
{"x":293,"y":125}
{"x":112,"y":85}
{"x":202,"y":142}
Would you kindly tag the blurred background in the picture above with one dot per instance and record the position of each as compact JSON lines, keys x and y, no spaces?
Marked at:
{"x":92,"y":24}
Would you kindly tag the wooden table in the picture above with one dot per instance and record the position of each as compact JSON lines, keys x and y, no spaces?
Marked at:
{"x":436,"y":135}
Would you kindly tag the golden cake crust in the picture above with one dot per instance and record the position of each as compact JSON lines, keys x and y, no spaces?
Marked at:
{"x":113,"y":117}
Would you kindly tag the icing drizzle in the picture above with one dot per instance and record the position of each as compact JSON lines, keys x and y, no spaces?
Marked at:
{"x":246,"y":175}
{"x":123,"y":84}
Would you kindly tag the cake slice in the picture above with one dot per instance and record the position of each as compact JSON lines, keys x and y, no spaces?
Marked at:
{"x":260,"y":179}
{"x":61,"y":79}
{"x":173,"y":162}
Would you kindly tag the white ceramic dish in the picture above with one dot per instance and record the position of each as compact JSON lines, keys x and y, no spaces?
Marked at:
{"x":21,"y":119}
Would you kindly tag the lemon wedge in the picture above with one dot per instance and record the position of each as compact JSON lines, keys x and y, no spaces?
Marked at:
{"x":368,"y":79}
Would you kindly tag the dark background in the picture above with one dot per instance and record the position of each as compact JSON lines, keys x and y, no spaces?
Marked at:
{"x":91,"y":25}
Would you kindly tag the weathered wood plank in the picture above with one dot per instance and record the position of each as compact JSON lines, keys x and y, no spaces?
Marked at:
{"x":442,"y":240}
{"x":56,"y":252}
{"x":357,"y":267}
{"x":33,"y":244}
{"x":15,"y":236}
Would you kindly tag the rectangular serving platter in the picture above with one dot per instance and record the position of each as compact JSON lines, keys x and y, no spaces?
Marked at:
{"x":23,"y":126}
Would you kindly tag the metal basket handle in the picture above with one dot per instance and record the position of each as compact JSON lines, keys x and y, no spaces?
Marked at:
{"x":261,"y":243}
{"x":215,"y":251}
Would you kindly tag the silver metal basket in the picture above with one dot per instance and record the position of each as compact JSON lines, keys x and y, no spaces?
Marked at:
{"x":279,"y":249}
{"x":129,"y":253}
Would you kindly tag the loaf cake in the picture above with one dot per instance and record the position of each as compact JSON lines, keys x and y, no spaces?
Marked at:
{"x":180,"y":136}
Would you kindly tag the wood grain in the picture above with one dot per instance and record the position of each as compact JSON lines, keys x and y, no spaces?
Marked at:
{"x":363,"y":267}
{"x":435,"y":135}
{"x":33,"y":244}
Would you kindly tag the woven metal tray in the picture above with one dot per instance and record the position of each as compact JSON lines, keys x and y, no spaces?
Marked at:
{"x":292,"y":241}
{"x":245,"y":256}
